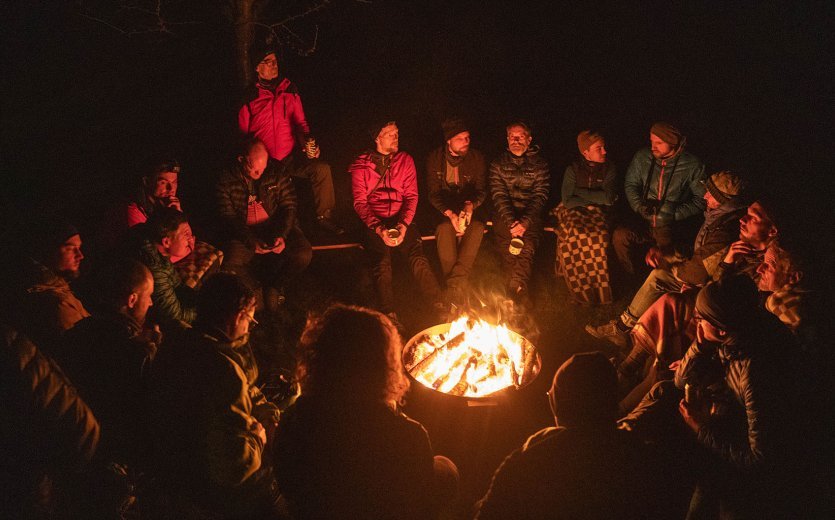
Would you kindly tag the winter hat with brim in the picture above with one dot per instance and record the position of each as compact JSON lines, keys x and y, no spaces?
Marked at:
{"x":728,"y":303}
{"x":724,"y":186}
{"x":667,"y":133}
{"x":586,"y":139}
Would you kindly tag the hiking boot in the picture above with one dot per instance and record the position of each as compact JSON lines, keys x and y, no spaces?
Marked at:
{"x":326,"y":223}
{"x":610,"y":332}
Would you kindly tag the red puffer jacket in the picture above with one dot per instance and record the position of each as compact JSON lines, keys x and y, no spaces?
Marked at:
{"x":393,"y":196}
{"x":272,"y":116}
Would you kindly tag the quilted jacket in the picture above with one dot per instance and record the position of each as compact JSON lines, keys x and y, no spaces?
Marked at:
{"x":274,"y":117}
{"x":274,"y":190}
{"x":519,"y":186}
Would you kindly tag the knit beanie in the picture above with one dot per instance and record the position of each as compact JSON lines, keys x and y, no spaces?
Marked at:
{"x":259,"y":51}
{"x":729,"y":302}
{"x":49,"y":236}
{"x":724,"y":186}
{"x":376,"y":126}
{"x":452,"y":127}
{"x":586,"y":139}
{"x":585,"y":390}
{"x":667,"y":133}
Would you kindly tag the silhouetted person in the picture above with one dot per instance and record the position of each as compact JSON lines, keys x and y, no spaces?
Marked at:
{"x":108,"y":357}
{"x":584,"y":467}
{"x":343,"y":450}
{"x":210,"y":423}
{"x":48,"y":434}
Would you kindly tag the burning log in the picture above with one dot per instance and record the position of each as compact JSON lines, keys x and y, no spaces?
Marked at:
{"x":454,"y":342}
{"x":529,"y":368}
{"x":473,"y":358}
{"x":445,"y":377}
{"x":462,"y":385}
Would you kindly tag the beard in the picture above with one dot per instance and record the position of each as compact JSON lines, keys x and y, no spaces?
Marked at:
{"x":69,"y":274}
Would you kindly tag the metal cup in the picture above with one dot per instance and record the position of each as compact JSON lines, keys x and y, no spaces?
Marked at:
{"x":393,"y":234}
{"x":516,"y":245}
{"x":310,"y":148}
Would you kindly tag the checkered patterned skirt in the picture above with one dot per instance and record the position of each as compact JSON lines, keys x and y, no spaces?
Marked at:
{"x":582,"y":260}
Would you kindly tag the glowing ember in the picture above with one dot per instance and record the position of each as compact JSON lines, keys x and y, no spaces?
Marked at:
{"x":471,"y":358}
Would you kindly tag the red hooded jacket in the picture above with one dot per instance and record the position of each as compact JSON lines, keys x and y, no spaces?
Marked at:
{"x":273,"y":116}
{"x":395,"y":196}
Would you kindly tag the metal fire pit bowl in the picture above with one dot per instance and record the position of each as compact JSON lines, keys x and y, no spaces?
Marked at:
{"x":526,"y":374}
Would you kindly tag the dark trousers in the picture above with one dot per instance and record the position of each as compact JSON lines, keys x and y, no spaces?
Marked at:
{"x":632,"y":240}
{"x":269,"y":270}
{"x":457,"y":254}
{"x":517,"y":267}
{"x":380,"y":256}
{"x":321,"y":181}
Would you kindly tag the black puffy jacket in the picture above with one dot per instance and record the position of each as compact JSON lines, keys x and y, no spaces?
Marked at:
{"x":519,"y":187}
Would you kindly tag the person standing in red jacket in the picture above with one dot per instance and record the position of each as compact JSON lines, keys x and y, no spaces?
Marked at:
{"x":274,"y":114}
{"x":384,"y":185}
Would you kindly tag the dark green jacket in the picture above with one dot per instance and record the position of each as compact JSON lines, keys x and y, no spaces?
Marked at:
{"x":681,"y":189}
{"x":173,"y":300}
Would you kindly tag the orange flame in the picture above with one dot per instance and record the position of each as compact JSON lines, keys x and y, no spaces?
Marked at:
{"x":473,"y":359}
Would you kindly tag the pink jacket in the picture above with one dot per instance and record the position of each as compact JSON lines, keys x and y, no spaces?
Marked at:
{"x":396,"y":196}
{"x":273,"y":116}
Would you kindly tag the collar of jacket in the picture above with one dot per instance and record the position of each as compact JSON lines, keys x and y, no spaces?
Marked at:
{"x":215,"y":335}
{"x":530,"y":152}
{"x":275,"y":87}
{"x":41,"y":279}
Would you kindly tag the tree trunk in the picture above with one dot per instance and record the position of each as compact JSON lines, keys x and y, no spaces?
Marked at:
{"x":243,"y":17}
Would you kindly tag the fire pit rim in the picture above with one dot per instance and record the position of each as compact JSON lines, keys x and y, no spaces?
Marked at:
{"x":444,"y":328}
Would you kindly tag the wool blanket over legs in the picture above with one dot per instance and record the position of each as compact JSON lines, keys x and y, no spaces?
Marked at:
{"x":582,"y":259}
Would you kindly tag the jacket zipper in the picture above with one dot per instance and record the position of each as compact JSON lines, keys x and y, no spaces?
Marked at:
{"x":660,"y":190}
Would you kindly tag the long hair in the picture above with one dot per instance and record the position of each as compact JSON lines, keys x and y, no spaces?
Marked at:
{"x":351,"y":353}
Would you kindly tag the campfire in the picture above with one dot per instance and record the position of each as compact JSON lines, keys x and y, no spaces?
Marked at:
{"x":471,"y":358}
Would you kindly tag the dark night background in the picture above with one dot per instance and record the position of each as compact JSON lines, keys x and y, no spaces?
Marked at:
{"x":749,"y":83}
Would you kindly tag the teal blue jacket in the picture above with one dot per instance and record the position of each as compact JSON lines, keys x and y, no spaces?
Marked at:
{"x":681,"y":185}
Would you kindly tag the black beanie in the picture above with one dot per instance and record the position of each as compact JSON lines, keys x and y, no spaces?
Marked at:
{"x":453,"y":126}
{"x":259,"y":51}
{"x":377,"y":125}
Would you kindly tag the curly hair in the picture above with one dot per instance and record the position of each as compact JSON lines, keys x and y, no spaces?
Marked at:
{"x":351,"y":352}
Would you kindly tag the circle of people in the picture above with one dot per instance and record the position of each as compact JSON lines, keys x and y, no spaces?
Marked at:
{"x":190,"y":413}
